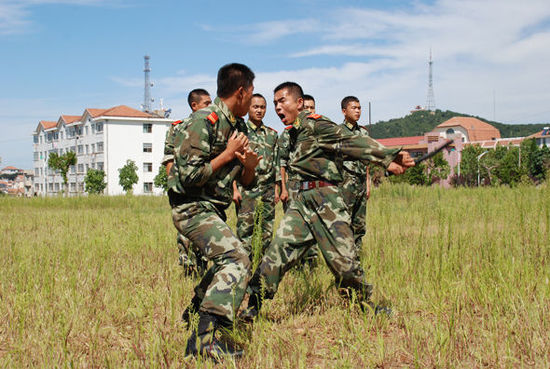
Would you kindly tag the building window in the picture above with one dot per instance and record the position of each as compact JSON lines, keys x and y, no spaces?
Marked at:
{"x":72,"y":169}
{"x":35,"y":154}
{"x":40,"y":138}
{"x":80,"y":168}
{"x":61,"y":134}
{"x":80,"y":149}
{"x":147,"y":147}
{"x":35,"y":139}
{"x":147,"y":167}
{"x":36,"y":187}
{"x":50,"y":187}
{"x":87,"y":168}
{"x":36,"y":172}
{"x":100,"y":147}
{"x":57,"y":187}
{"x":99,"y":127}
{"x":73,"y":186}
{"x":87,"y":149}
{"x":93,"y":148}
{"x":73,"y":149}
{"x":100,"y":166}
{"x":147,"y":128}
{"x":81,"y":187}
{"x":148,"y":187}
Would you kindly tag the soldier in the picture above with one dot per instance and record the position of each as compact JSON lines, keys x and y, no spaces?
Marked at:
{"x":309,"y":103}
{"x":289,"y":180}
{"x":214,"y":152}
{"x":190,"y":258}
{"x":318,"y":215}
{"x":292,"y":183}
{"x":356,"y":186}
{"x":262,"y":140}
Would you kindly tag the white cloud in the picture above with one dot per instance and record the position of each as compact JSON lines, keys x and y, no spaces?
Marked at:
{"x":15,"y":14}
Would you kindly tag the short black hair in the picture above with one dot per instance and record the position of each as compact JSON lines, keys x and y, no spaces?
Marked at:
{"x":346,"y":100}
{"x":195,"y":95}
{"x":309,"y":97}
{"x":231,"y":77}
{"x":259,"y":95}
{"x":292,"y":87}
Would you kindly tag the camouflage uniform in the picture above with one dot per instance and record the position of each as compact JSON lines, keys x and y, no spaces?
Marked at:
{"x":191,"y":259}
{"x":199,"y":198}
{"x":263,"y":140}
{"x":293,"y":180}
{"x":293,"y":186}
{"x":319,"y":214}
{"x":354,"y":188}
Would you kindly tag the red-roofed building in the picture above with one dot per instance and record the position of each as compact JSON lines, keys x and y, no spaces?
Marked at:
{"x":542,"y":138}
{"x":102,"y":139}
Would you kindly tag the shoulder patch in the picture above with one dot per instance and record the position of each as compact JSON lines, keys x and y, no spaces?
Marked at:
{"x":289,"y":127}
{"x":272,"y":129}
{"x":177,"y":122}
{"x":314,"y":116}
{"x":212,"y":117}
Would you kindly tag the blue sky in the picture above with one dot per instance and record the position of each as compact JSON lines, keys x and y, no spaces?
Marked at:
{"x":491,"y":58}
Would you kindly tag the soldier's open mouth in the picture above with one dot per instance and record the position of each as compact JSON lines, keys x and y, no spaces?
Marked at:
{"x":281,"y":116}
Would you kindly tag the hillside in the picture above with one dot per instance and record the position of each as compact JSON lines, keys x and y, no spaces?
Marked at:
{"x":420,"y":122}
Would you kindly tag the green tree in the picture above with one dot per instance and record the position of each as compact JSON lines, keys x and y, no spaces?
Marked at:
{"x":95,"y":181}
{"x":437,"y":168}
{"x":62,"y":163}
{"x":469,"y":164}
{"x":509,"y":171}
{"x":127,"y":176}
{"x":161,"y":179}
{"x":416,"y":175}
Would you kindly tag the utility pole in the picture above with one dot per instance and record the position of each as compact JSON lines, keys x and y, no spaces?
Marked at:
{"x":147,"y":92}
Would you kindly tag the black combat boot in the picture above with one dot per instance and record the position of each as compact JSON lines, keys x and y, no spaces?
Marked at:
{"x":203,"y":340}
{"x":253,"y":309}
{"x":191,"y":309}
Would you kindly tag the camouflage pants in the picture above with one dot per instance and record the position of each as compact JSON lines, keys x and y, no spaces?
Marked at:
{"x":318,"y":216}
{"x":190,"y":258}
{"x":293,"y":188}
{"x":246,"y":221}
{"x":224,"y":284}
{"x":355,"y":196}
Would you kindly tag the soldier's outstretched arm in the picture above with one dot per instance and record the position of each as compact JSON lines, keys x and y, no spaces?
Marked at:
{"x":331,"y":137}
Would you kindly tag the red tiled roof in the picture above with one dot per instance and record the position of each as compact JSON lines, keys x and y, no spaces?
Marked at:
{"x":46,"y":124}
{"x":477,"y":130}
{"x":119,"y":111}
{"x":401,"y":141}
{"x":10,"y":168}
{"x":539,"y":134}
{"x":68,"y":119}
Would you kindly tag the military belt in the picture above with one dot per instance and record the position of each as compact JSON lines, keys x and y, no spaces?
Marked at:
{"x":308,"y":185}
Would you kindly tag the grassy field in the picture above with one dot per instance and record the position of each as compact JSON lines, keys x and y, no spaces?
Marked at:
{"x":94,"y":282}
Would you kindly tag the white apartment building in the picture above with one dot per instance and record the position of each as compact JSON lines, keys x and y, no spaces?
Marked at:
{"x":102,"y":139}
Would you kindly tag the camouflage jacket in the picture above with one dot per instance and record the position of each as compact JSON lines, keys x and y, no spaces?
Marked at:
{"x":285,"y":155}
{"x":264,"y":141}
{"x":354,"y":170}
{"x":320,"y":146}
{"x":174,"y":137}
{"x":205,"y":137}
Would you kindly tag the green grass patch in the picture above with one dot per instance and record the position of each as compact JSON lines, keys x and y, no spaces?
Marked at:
{"x":95,"y":282}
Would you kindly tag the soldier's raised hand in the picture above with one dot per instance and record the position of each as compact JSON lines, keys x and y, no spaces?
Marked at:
{"x":249,"y":158}
{"x":404,"y":159}
{"x":236,"y":143}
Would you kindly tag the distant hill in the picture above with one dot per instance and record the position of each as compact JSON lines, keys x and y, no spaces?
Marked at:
{"x":420,"y":122}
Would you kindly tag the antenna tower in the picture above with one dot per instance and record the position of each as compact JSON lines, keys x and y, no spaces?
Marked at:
{"x":147,"y":93}
{"x":430,"y":100}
